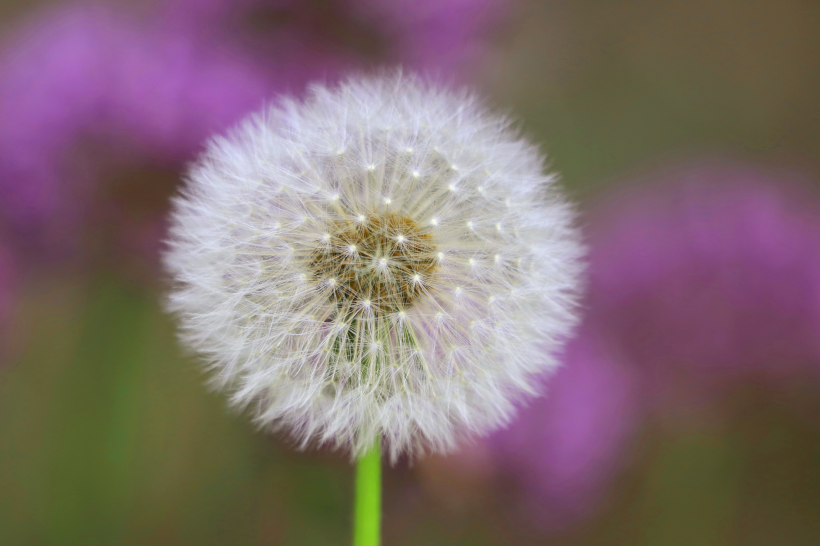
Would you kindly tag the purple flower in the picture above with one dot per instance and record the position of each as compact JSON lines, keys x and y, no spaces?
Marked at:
{"x":709,"y":277}
{"x":48,"y":94}
{"x":84,"y":88}
{"x":563,"y":449}
{"x":436,"y":35}
{"x":701,"y":278}
{"x":88,"y":91}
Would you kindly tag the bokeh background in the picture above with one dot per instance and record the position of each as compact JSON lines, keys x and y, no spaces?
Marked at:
{"x":688,"y":409}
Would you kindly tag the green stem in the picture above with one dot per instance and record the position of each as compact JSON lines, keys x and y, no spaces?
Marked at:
{"x":367,"y":524}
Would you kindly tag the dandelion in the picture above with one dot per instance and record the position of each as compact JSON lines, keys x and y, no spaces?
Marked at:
{"x":384,"y":262}
{"x":343,"y":316}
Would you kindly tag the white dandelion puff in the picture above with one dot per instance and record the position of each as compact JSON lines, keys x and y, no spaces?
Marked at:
{"x":419,"y":318}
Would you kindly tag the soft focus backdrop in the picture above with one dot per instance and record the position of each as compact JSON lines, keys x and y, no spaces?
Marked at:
{"x":688,"y":409}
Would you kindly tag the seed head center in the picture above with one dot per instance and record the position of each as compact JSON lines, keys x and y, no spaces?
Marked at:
{"x":386,"y":260}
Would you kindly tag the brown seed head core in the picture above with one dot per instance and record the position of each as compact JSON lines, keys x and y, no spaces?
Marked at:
{"x":383,"y":262}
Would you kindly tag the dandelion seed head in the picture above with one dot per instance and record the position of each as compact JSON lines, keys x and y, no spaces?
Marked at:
{"x":346,"y":323}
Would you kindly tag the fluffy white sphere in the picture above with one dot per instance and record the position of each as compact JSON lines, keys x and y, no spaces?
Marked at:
{"x":382,"y":260}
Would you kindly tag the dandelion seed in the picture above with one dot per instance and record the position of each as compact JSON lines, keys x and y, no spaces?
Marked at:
{"x":393,"y":351}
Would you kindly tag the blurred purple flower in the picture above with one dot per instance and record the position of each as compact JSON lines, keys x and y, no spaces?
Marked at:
{"x":88,"y":91}
{"x":699,"y":279}
{"x":436,"y":35}
{"x":84,"y":87}
{"x":440,"y":36}
{"x":709,"y":277}
{"x":564,"y":447}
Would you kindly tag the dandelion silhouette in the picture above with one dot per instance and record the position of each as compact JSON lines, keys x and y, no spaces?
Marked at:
{"x":384,"y":262}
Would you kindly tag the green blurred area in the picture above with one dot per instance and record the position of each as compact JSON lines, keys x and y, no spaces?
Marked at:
{"x":110,"y":437}
{"x":616,"y":88}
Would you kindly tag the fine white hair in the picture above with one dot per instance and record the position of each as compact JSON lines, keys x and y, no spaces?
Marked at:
{"x":383,"y":261}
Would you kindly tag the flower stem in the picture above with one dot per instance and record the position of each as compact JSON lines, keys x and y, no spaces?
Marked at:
{"x":367,"y":523}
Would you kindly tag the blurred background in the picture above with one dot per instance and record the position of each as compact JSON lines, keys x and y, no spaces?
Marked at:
{"x":688,"y":409}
